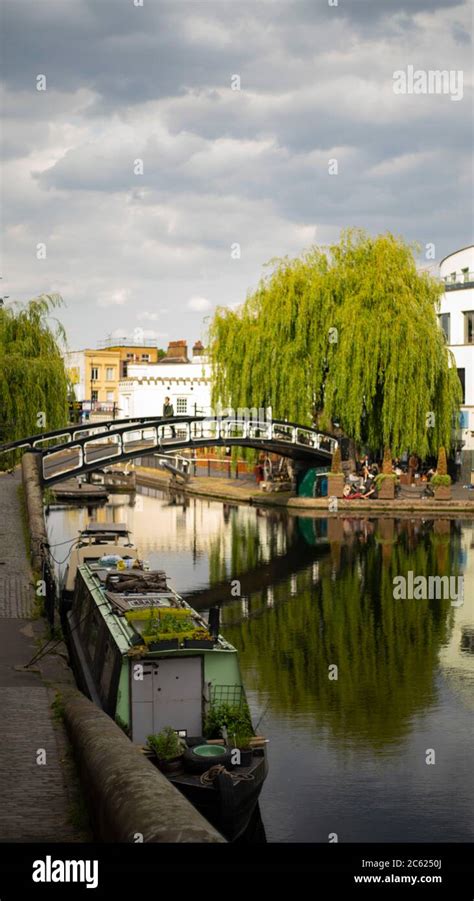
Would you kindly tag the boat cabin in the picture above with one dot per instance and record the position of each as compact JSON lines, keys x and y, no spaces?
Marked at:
{"x":143,"y":654}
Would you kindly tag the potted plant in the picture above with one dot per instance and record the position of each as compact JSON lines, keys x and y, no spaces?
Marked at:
{"x":168,"y":749}
{"x":199,"y":639}
{"x":336,"y":475}
{"x":441,"y":481}
{"x":242,"y":741}
{"x":385,"y":482}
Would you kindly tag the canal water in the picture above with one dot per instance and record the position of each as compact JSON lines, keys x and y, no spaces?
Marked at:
{"x":367,"y":700}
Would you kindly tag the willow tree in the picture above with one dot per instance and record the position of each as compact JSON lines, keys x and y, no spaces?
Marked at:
{"x":33,"y":380}
{"x":349,"y":334}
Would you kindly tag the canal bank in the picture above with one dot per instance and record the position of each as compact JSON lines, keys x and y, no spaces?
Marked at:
{"x":40,"y":797}
{"x":248,"y":493}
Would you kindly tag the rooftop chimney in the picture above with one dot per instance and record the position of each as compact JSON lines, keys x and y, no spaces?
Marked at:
{"x":198,"y":349}
{"x":177,"y":353}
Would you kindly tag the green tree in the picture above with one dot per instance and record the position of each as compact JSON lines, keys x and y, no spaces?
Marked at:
{"x":349,"y":333}
{"x":33,"y":379}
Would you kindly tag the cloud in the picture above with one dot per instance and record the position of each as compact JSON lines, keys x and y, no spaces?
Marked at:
{"x":112,"y":298}
{"x":220,"y":166}
{"x":199,"y":304}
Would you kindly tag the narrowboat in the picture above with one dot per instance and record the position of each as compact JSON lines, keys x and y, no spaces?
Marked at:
{"x":168,"y":678}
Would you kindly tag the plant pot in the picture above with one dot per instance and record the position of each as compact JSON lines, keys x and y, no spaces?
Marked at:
{"x":387,"y":489}
{"x":169,"y":644}
{"x":170,"y":766}
{"x":246,"y":755}
{"x":198,"y":643}
{"x":442,"y":493}
{"x":335,"y":484}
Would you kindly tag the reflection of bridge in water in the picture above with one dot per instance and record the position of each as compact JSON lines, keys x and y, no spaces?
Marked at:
{"x":266,"y":575}
{"x":81,"y":449}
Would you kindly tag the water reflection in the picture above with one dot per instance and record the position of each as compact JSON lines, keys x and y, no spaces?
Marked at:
{"x":300,"y":595}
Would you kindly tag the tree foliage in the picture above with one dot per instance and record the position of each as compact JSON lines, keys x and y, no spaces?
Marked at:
{"x":349,"y":333}
{"x":33,"y":380}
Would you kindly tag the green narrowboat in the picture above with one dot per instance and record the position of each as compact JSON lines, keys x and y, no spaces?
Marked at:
{"x":152,"y":663}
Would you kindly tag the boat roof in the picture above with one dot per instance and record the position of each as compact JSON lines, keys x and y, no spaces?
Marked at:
{"x":114,"y":604}
{"x":107,"y":528}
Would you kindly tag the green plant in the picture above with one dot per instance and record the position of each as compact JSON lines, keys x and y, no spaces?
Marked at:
{"x":164,"y":625}
{"x":234,"y":718}
{"x":166,"y":744}
{"x":336,"y":465}
{"x":440,"y":481}
{"x":242,"y":738}
{"x":442,"y":467}
{"x":57,"y":707}
{"x":383,"y":476}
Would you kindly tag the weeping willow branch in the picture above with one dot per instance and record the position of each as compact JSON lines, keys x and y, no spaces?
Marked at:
{"x":33,"y":380}
{"x":349,"y":334}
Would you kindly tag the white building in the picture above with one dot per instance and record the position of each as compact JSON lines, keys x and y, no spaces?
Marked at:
{"x":187,"y":382}
{"x":457,"y":321}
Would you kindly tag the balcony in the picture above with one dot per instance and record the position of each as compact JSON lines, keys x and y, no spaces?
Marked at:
{"x":463,"y":280}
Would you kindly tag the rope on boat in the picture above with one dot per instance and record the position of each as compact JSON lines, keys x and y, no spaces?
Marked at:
{"x":208,"y":777}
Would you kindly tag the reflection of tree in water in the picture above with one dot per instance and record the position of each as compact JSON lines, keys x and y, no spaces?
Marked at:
{"x":386,"y":650}
{"x":252,"y":542}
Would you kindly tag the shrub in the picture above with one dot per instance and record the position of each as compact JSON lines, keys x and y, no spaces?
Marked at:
{"x":336,"y":465}
{"x":440,"y":481}
{"x":235,"y":718}
{"x":442,"y":467}
{"x":166,"y":744}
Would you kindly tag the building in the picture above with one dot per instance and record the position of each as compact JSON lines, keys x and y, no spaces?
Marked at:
{"x":96,"y":373}
{"x":456,"y":318}
{"x":186,"y":381}
{"x":141,"y":352}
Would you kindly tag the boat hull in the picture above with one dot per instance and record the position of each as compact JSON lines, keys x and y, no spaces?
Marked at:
{"x":229,"y":810}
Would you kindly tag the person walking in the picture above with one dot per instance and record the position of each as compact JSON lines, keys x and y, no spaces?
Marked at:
{"x":168,"y":413}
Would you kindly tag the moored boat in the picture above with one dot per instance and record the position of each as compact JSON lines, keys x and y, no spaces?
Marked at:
{"x":152,"y":663}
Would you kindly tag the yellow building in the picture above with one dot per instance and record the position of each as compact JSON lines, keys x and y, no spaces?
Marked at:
{"x":95,"y":373}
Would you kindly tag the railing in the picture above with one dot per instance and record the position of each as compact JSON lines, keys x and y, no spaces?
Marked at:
{"x":84,"y":448}
{"x":462,"y":280}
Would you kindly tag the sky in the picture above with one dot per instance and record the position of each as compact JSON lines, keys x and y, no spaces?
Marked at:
{"x":157,"y":155}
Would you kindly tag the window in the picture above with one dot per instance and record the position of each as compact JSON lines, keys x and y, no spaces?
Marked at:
{"x":469,"y":327}
{"x":445,"y":323}
{"x":110,"y":373}
{"x":181,"y":406}
{"x":130,"y":356}
{"x":462,"y":379}
{"x":95,"y":396}
{"x":110,"y":397}
{"x":94,"y":373}
{"x":452,"y":277}
{"x":146,"y":358}
{"x":465,"y":274}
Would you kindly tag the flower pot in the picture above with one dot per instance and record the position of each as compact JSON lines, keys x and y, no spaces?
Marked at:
{"x":245,"y":756}
{"x":387,"y":489}
{"x":442,"y":493}
{"x":168,"y":644}
{"x":335,"y":484}
{"x":198,"y":643}
{"x":170,"y":766}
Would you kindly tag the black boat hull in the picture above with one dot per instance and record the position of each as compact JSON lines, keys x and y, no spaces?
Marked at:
{"x":228,"y":804}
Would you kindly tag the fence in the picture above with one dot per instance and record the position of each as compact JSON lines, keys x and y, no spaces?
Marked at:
{"x":201,"y":466}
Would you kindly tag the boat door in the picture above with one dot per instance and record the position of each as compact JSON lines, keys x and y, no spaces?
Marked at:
{"x":170,"y":694}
